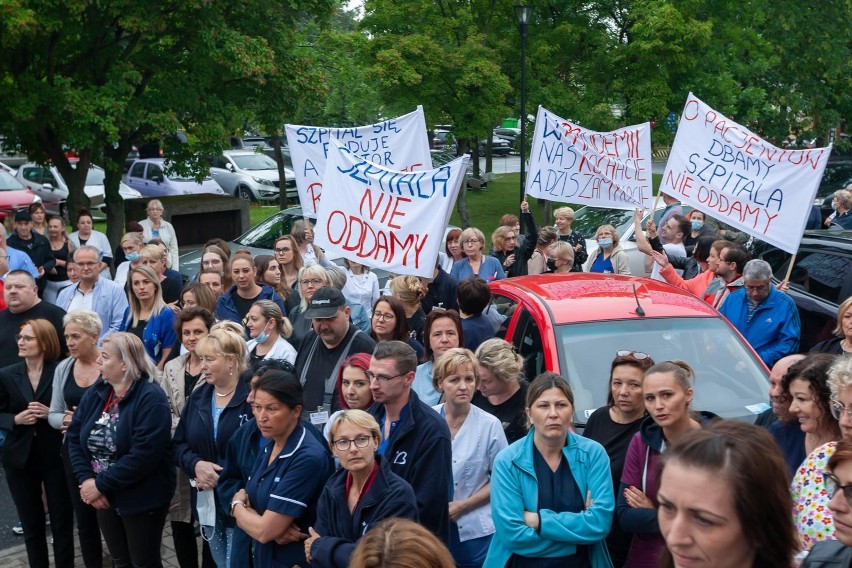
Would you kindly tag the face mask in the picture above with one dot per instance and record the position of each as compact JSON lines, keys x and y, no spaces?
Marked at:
{"x":551,"y":264}
{"x":262,"y":337}
{"x":834,"y":206}
{"x":132,"y":256}
{"x":697,"y":225}
{"x":604,"y":243}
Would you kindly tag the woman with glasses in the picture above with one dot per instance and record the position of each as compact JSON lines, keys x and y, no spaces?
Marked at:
{"x":502,"y":386}
{"x":475,"y":263}
{"x":286,"y":252}
{"x":477,"y":438}
{"x":614,"y":425}
{"x":279,"y":502}
{"x":235,"y":303}
{"x":363,"y":492}
{"x":817,"y":392}
{"x":155,"y":227}
{"x":32,"y":455}
{"x":442,"y":331}
{"x":120,"y":446}
{"x":213,"y":412}
{"x":512,"y":256}
{"x":723,"y":500}
{"x":388,"y":323}
{"x":197,"y":295}
{"x":838,"y":491}
{"x":311,"y":279}
{"x":667,"y":391}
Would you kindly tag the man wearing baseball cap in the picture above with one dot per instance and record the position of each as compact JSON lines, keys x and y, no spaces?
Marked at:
{"x":34,"y":244}
{"x":332,"y":339}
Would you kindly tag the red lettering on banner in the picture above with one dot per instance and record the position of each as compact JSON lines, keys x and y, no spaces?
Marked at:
{"x":314,"y":191}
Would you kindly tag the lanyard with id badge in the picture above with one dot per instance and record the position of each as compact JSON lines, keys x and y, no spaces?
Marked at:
{"x":320,"y":416}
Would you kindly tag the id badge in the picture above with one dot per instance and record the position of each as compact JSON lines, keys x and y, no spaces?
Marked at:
{"x":319,"y":417}
{"x":103,"y":420}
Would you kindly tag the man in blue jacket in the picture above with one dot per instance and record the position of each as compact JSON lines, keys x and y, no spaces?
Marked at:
{"x":767,"y":318}
{"x":415,"y":439}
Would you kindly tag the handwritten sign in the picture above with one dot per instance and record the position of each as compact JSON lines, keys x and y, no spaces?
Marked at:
{"x":400,"y":144}
{"x":385,"y":218}
{"x":723,"y":169}
{"x":572,"y":164}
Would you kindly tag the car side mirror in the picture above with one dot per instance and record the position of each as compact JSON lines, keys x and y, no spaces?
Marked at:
{"x":229,"y":166}
{"x":158,"y":178}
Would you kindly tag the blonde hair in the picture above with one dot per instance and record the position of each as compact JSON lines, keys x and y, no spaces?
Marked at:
{"x":224,"y":342}
{"x":562,"y":251}
{"x":312,"y":270}
{"x":271,"y":311}
{"x":564,"y":212}
{"x":132,"y":353}
{"x":357,"y":418}
{"x":615,"y":237}
{"x":501,"y":359}
{"x":152,"y":252}
{"x":135,"y":304}
{"x":400,"y":543}
{"x":471,"y":233}
{"x":408,"y":289}
{"x":449,"y":363}
{"x":498,"y":237}
{"x":135,"y":238}
{"x":841,"y":309}
{"x":88,"y":320}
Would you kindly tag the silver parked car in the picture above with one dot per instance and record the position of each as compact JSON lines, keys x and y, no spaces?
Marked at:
{"x":48,"y":184}
{"x":251,"y":175}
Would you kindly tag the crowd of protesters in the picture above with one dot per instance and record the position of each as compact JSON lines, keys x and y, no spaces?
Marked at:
{"x":292,"y":413}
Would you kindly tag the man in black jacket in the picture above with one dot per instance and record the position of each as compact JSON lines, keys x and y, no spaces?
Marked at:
{"x":34,"y":244}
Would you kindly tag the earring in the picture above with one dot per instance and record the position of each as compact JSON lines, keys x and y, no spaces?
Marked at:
{"x":230,"y":371}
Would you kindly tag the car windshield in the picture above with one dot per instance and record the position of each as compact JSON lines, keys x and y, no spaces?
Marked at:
{"x":264,"y":234}
{"x":729,"y":380}
{"x":9,"y":183}
{"x":255,"y":162}
{"x":588,"y":219}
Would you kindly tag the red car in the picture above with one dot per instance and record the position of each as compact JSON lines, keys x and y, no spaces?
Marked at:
{"x":14,"y":196}
{"x":574,"y":324}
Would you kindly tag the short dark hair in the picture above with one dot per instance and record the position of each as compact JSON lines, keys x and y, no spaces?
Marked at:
{"x":281,"y":385}
{"x":431,"y":317}
{"x":738,"y":255}
{"x":702,"y":247}
{"x":189,"y":314}
{"x":813,"y":369}
{"x":473,"y":295}
{"x":546,"y":381}
{"x":629,"y":360}
{"x":684,"y":225}
{"x":399,"y":351}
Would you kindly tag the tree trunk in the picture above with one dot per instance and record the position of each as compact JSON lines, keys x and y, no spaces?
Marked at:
{"x":489,"y":157}
{"x":461,"y":206}
{"x":282,"y":176}
{"x":114,"y":169}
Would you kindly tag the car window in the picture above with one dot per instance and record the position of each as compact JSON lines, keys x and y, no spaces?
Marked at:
{"x":264,"y":234}
{"x":504,"y":308}
{"x":729,"y":380}
{"x":588,"y":219}
{"x":825,"y":274}
{"x":255,"y":162}
{"x":527,"y":340}
{"x":220,"y":162}
{"x":48,"y":177}
{"x":95,"y":176}
{"x":32,"y":174}
{"x":154,"y":172}
{"x":137,"y":170}
{"x":9,"y":183}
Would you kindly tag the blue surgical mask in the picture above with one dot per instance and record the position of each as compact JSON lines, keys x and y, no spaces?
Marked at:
{"x":132,"y":256}
{"x":697,"y":225}
{"x":604,"y":243}
{"x":262,"y":337}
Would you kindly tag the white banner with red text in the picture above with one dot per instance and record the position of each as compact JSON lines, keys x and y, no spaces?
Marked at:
{"x":400,"y":144}
{"x":385,"y":218}
{"x":725,"y":170}
{"x":572,"y":164}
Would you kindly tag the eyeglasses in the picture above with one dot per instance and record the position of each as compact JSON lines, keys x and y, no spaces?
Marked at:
{"x":832,"y":485}
{"x":638,"y":355}
{"x":372,"y":376}
{"x":343,"y":444}
{"x":314,"y":282}
{"x":155,"y":209}
{"x":87,"y":264}
{"x":20,"y":337}
{"x":472,"y":242}
{"x":838,"y":408}
{"x":383,"y":317}
{"x":282,"y":250}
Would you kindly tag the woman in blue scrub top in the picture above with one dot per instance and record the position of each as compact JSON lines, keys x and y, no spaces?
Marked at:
{"x":279,"y":501}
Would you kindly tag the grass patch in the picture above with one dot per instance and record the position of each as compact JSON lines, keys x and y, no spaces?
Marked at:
{"x":501,"y":197}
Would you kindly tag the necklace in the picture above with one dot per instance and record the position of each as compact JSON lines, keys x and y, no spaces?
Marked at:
{"x":844,"y":345}
{"x":226,"y":393}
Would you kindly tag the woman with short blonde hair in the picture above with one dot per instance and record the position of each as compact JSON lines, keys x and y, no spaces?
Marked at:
{"x":155,"y":227}
{"x":564,"y":217}
{"x":475,"y":262}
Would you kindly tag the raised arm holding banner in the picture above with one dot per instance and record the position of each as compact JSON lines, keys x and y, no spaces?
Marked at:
{"x":384,"y":218}
{"x":723,"y":169}
{"x":572,"y":164}
{"x":400,"y":144}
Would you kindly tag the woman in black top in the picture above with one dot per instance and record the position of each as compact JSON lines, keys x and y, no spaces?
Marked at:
{"x":72,"y":379}
{"x":57,"y":278}
{"x":614,"y":425}
{"x":31,"y":455}
{"x":502,"y":388}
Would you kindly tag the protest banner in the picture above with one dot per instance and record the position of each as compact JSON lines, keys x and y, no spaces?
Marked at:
{"x":384,"y":218}
{"x":725,"y":170}
{"x":400,"y":144}
{"x":572,"y":164}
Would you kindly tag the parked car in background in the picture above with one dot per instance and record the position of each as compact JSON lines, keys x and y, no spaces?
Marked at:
{"x":820,"y":281}
{"x":50,"y":186}
{"x":499,"y":147}
{"x":837,"y":175}
{"x":250,"y":175}
{"x":441,"y":157}
{"x":510,"y":135}
{"x":442,"y":139}
{"x":573,"y":325}
{"x":8,"y":169}
{"x":588,"y":219}
{"x":13,"y":195}
{"x":149,"y":177}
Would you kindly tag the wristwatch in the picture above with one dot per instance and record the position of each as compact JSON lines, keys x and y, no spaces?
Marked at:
{"x":236,"y":502}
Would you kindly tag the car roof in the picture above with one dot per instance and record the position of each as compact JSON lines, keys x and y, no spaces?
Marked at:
{"x":586,"y":297}
{"x":242,"y":153}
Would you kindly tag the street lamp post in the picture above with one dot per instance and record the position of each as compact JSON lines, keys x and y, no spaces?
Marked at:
{"x":523,"y":12}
